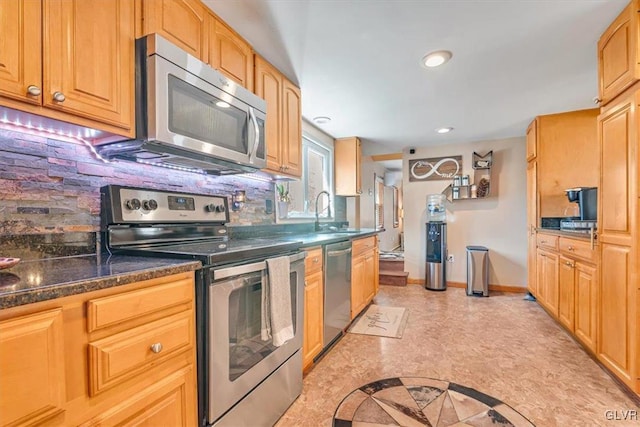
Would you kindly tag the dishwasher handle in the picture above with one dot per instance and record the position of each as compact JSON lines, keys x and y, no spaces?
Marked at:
{"x":338,"y":253}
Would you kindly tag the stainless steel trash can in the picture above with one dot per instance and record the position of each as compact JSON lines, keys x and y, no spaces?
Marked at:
{"x":477,"y":270}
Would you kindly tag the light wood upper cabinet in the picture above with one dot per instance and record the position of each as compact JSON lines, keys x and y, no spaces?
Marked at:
{"x":70,"y":60}
{"x":532,"y":140}
{"x":284,"y":119}
{"x":183,"y":22}
{"x":618,"y":55}
{"x":21,"y":52}
{"x":291,"y":128}
{"x":33,"y":371}
{"x":229,"y":53}
{"x":567,"y":156}
{"x":347,"y":154}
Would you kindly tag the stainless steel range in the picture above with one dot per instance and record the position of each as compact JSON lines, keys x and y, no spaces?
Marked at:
{"x":242,"y":379}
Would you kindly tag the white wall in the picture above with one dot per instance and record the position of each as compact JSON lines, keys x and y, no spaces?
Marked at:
{"x":498,"y":222}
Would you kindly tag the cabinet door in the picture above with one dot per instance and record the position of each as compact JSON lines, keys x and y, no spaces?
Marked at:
{"x":21,"y":52}
{"x":566,"y":288}
{"x":618,"y":54}
{"x":229,"y":53}
{"x":268,"y":86}
{"x":357,"y":285}
{"x":532,"y":140}
{"x":547,"y":278}
{"x":182,"y":22}
{"x":586,"y":287}
{"x":618,"y":238}
{"x":169,"y":402}
{"x":347,"y":163}
{"x":369,"y":286}
{"x":291,"y":129}
{"x":33,"y":374}
{"x":532,"y":215}
{"x":615,"y":339}
{"x":88,"y":59}
{"x":313,"y":317}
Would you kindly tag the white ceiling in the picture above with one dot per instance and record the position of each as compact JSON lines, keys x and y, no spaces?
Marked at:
{"x":358,"y":62}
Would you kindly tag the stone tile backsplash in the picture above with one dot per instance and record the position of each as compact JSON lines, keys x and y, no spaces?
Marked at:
{"x":49,"y":186}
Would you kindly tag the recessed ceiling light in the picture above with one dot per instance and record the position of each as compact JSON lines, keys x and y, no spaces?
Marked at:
{"x":444,"y":130}
{"x":321,"y":120}
{"x":435,"y":59}
{"x":223,"y":104}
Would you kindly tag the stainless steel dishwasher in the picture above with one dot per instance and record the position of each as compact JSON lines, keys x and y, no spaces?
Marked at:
{"x":337,"y":290}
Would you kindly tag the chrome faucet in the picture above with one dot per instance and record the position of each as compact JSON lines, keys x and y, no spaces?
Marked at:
{"x":317,"y":223}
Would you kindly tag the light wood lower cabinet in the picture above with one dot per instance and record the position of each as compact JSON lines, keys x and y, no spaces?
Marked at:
{"x":313,"y":307}
{"x":32,"y":379}
{"x":566,"y":294}
{"x":364,"y":268}
{"x":574,"y":270}
{"x":118,"y":356}
{"x":586,"y":304}
{"x":547,"y":280}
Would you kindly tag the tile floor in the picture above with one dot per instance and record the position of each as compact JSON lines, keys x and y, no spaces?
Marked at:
{"x":502,"y":346}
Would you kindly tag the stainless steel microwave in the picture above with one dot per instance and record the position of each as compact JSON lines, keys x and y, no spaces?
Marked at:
{"x":189,"y":116}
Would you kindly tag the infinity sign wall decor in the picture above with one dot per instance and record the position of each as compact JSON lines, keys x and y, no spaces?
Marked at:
{"x":436,"y":168}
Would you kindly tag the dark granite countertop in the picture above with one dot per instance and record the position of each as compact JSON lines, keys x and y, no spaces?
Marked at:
{"x":325,"y":237}
{"x":45,"y":279}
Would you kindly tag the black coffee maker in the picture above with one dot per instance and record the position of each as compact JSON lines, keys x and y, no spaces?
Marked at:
{"x":587,"y":199}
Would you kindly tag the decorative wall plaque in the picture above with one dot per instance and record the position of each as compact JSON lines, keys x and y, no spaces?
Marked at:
{"x":435,"y":168}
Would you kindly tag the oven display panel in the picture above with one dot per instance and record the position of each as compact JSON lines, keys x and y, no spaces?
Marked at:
{"x":181,"y":203}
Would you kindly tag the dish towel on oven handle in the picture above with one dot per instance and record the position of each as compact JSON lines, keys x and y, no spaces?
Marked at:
{"x":277,"y":322}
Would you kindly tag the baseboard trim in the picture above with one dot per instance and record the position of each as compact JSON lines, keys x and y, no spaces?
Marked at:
{"x":496,"y":288}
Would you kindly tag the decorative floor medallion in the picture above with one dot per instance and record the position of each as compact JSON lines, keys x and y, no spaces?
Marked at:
{"x":423,"y":402}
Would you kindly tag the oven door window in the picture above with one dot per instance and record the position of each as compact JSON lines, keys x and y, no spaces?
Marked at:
{"x":201,"y":116}
{"x":246,"y":348}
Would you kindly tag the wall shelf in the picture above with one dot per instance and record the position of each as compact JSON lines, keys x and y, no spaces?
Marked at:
{"x":480,"y":184}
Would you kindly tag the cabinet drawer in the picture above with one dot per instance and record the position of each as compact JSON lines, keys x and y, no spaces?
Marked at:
{"x":170,"y":291}
{"x":577,"y":248}
{"x":363,"y":245}
{"x":547,"y":241}
{"x":120,"y":357}
{"x":313,"y":261}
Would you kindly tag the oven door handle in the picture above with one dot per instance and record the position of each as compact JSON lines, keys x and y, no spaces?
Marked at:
{"x":238,"y":270}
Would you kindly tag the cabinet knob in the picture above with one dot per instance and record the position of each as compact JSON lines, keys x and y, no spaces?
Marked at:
{"x":34,"y":90}
{"x":569,"y":264}
{"x":316,"y":260}
{"x":543,"y":241}
{"x":571,"y":248}
{"x":59,"y":96}
{"x":156,"y":348}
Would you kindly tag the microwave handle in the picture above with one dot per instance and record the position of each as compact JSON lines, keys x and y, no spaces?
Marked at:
{"x":256,"y":129}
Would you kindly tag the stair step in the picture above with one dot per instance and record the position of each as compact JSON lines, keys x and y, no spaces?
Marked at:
{"x":393,"y":278}
{"x":391,"y":264}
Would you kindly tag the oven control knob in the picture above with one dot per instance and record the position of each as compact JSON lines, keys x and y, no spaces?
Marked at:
{"x":133,"y":204}
{"x":220,"y":208}
{"x":150,"y":205}
{"x":210,"y":208}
